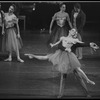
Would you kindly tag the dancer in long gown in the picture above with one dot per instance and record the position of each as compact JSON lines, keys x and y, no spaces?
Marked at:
{"x":11,"y":34}
{"x":65,"y":61}
{"x":62,"y":26}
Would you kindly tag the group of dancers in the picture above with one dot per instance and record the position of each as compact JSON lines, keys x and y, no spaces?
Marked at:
{"x":65,"y":40}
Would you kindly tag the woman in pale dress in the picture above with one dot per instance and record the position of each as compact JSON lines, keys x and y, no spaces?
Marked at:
{"x":65,"y":61}
{"x":11,"y":35}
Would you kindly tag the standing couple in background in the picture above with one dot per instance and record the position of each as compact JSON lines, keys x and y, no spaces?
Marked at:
{"x":64,"y":23}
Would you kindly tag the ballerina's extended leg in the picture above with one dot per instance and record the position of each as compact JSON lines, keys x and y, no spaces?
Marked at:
{"x":37,"y":57}
{"x":61,"y":89}
{"x":78,"y":76}
{"x":85,"y":77}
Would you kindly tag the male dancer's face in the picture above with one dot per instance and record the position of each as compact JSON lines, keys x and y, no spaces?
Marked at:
{"x":76,"y":9}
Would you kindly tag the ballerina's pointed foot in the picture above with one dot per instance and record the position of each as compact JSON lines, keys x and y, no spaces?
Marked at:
{"x":8,"y":59}
{"x":88,"y":96}
{"x":20,"y":60}
{"x":59,"y":96}
{"x":91,"y":82}
{"x":29,"y":55}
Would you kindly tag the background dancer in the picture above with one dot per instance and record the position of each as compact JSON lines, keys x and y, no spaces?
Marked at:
{"x":11,"y":36}
{"x":78,"y":19}
{"x":62,"y":24}
{"x":1,"y":24}
{"x":65,"y":61}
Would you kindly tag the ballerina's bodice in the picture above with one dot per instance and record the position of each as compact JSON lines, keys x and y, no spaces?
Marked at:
{"x":10,"y":20}
{"x":61,"y":21}
{"x":68,"y":43}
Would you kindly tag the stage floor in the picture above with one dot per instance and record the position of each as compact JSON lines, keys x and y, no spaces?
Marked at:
{"x":37,"y":79}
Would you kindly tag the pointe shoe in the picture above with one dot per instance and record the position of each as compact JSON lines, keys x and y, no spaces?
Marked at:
{"x":79,"y":58}
{"x":59,"y":96}
{"x":26,"y":54}
{"x":20,"y":60}
{"x":8,"y":59}
{"x":29,"y":55}
{"x":91,"y":82}
{"x":88,"y":96}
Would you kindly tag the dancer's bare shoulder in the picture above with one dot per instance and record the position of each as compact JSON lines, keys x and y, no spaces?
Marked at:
{"x":62,"y":38}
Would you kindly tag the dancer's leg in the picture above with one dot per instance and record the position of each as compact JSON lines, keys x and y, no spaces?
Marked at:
{"x":9,"y":58}
{"x":37,"y":57}
{"x":18,"y":56}
{"x":84,"y":76}
{"x":61,"y":89}
{"x":79,"y":49}
{"x":77,"y":75}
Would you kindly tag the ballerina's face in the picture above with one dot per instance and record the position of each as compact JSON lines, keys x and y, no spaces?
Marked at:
{"x":73,"y":33}
{"x":63,"y":7}
{"x":11,"y":9}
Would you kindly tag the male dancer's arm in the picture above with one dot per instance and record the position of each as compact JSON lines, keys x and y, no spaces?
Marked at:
{"x":85,"y":44}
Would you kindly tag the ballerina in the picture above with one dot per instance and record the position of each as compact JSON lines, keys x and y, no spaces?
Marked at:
{"x":11,"y":35}
{"x":65,"y":60}
{"x":63,"y":24}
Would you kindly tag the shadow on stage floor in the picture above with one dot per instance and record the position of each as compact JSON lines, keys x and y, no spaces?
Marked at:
{"x":38,"y":79}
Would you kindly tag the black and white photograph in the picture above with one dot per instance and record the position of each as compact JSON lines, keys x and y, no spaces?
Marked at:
{"x":49,"y":49}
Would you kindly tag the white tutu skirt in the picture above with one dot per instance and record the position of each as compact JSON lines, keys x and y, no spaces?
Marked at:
{"x":64,"y":62}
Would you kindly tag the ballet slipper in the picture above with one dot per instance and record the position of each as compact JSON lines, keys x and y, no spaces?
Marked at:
{"x":29,"y":55}
{"x":26,"y":54}
{"x":8,"y":59}
{"x":20,"y":60}
{"x":88,"y":96}
{"x":59,"y":96}
{"x":91,"y":82}
{"x":79,"y":58}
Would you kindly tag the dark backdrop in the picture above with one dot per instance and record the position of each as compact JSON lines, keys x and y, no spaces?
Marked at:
{"x":41,"y":16}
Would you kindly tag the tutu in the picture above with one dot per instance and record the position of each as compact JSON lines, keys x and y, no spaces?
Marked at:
{"x":10,"y":40}
{"x":64,"y":62}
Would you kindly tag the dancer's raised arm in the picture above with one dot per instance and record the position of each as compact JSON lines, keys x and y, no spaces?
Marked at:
{"x":56,"y":42}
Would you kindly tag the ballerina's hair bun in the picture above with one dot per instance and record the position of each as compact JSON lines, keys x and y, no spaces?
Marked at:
{"x":14,"y":7}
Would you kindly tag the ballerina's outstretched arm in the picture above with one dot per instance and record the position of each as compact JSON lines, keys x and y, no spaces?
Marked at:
{"x":56,"y":42}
